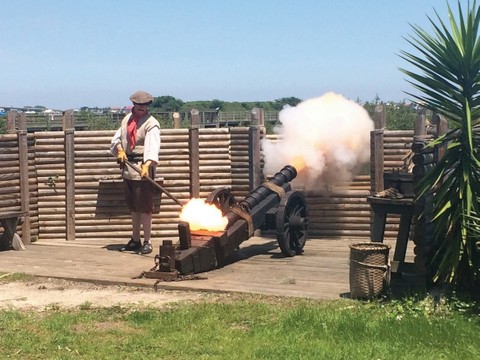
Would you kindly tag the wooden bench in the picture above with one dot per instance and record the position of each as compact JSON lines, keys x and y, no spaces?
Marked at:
{"x":10,"y":239}
{"x":381,"y":207}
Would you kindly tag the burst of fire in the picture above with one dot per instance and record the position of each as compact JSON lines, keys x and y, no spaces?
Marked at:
{"x":203,"y":216}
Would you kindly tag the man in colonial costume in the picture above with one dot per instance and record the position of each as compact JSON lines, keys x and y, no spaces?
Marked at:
{"x":138,"y":141}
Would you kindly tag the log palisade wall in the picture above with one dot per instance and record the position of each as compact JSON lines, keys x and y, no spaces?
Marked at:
{"x":344,"y":211}
{"x":50,"y":173}
{"x":396,"y":146}
{"x":99,"y":207}
{"x":10,"y":184}
{"x":9,"y":174}
{"x":99,"y":210}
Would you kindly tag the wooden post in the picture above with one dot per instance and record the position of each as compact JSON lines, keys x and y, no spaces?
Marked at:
{"x":420,"y":129}
{"x":69,"y":133}
{"x":24,"y":184}
{"x":176,"y":120}
{"x":422,"y":234}
{"x":376,"y":150}
{"x":194,"y":154}
{"x":11,"y":116}
{"x":254,"y":167}
{"x":419,"y":141}
{"x":441,"y":129}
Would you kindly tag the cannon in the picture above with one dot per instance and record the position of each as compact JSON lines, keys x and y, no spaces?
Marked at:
{"x":273,"y":206}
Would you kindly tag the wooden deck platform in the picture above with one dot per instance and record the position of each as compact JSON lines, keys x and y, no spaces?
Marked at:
{"x":322,"y":272}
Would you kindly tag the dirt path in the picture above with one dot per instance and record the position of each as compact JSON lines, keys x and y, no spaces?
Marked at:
{"x":42,"y":293}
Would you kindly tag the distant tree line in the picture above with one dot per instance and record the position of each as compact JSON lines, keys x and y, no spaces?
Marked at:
{"x":400,"y":115}
{"x":172,"y":104}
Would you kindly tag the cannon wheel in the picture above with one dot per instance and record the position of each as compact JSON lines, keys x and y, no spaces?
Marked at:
{"x":292,"y":223}
{"x":222,"y":199}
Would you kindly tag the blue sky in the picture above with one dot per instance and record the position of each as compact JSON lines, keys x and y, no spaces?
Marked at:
{"x":70,"y":53}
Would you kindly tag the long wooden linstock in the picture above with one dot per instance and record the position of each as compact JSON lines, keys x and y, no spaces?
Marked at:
{"x":137,"y":169}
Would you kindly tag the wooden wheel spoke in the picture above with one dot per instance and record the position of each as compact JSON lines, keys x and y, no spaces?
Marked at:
{"x":222,"y":199}
{"x":291,"y":223}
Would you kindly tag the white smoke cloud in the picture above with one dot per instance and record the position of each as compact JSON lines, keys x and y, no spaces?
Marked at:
{"x":327,"y":139}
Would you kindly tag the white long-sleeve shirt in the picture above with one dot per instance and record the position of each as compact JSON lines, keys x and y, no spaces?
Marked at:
{"x":151,"y":147}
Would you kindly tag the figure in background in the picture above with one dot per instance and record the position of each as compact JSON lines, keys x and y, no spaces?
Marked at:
{"x":138,"y":141}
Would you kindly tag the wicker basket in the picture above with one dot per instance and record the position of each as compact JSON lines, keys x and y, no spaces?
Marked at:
{"x":369,"y":269}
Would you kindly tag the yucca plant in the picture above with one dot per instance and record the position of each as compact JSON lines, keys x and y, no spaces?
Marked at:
{"x":449,"y":84}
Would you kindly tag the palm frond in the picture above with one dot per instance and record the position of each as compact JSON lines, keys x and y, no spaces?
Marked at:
{"x":448,"y":79}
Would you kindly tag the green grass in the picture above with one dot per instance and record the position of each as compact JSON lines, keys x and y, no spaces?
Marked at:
{"x":10,"y":277}
{"x":247,"y":327}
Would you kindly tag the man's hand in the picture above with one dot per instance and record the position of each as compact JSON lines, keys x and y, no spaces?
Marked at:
{"x":121,"y":156}
{"x":144,"y":172}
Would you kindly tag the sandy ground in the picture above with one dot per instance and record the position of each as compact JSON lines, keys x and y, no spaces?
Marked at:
{"x":43,"y":294}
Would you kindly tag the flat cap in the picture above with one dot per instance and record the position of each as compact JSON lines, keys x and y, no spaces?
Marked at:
{"x":141,"y":97}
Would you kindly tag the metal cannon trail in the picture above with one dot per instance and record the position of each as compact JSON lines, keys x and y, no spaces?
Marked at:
{"x":271,"y":206}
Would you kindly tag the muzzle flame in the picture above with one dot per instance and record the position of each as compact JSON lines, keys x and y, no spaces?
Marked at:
{"x":298,"y":163}
{"x":203,"y":216}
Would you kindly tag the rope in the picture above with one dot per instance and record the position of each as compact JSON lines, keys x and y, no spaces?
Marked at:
{"x":275,"y":188}
{"x":245,"y":216}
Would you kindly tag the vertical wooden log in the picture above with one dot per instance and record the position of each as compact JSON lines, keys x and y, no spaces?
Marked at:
{"x":420,"y":129}
{"x":423,"y":227}
{"x":254,"y":166}
{"x":419,"y":140}
{"x":262,"y":134}
{"x":194,"y":154}
{"x":376,"y":150}
{"x":69,"y":133}
{"x":11,"y":116}
{"x":441,"y":129}
{"x":377,"y":156}
{"x":23,"y":167}
{"x":176,"y":120}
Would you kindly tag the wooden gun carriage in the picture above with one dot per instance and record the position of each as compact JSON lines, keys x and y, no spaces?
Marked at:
{"x":271,"y":206}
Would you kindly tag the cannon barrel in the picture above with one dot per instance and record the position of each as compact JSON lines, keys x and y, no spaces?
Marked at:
{"x":255,"y":197}
{"x":287,"y":174}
